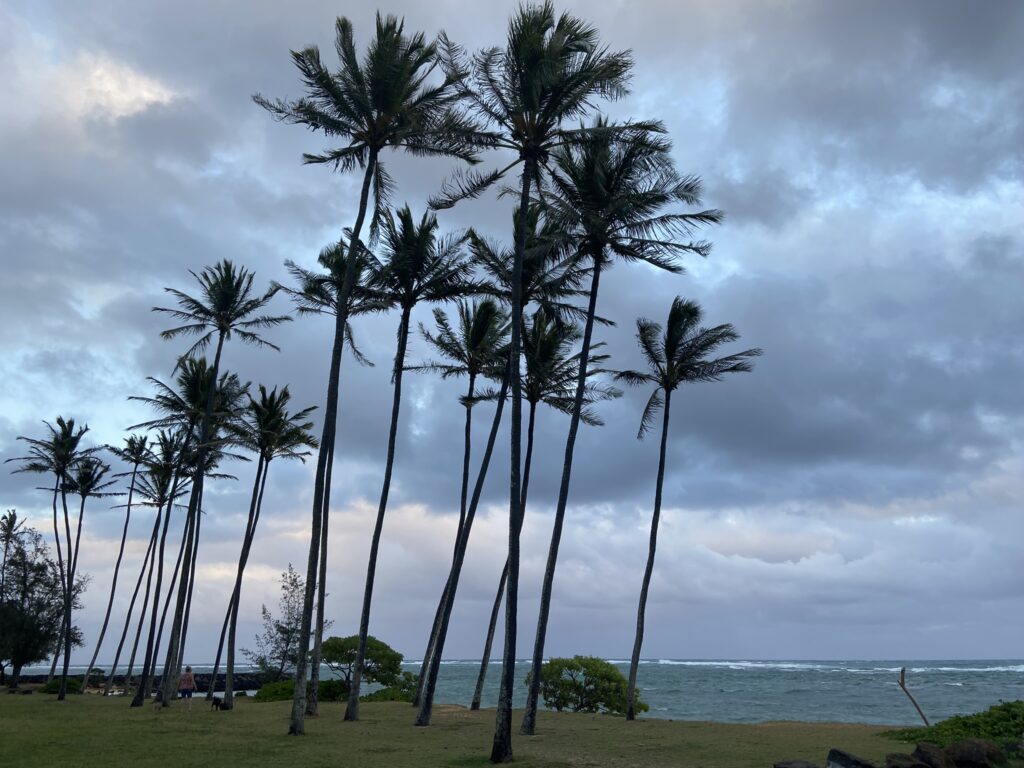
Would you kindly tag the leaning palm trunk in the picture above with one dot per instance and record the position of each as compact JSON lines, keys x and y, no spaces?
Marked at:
{"x":634,"y":661}
{"x":220,"y":649}
{"x":236,"y":595}
{"x":70,"y":596}
{"x":352,"y":710}
{"x":297,"y":724}
{"x":462,"y":544}
{"x":113,"y":581}
{"x":493,"y":622}
{"x":63,"y":578}
{"x":186,"y":534}
{"x":501,"y":748}
{"x":131,"y":609}
{"x":172,"y":668}
{"x":149,"y":657}
{"x":466,"y":454}
{"x":145,"y":603}
{"x":313,"y":699}
{"x":191,"y":585}
{"x":530,"y":716}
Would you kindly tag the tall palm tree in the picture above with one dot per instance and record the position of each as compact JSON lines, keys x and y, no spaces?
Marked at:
{"x":271,"y":431}
{"x":11,"y":529}
{"x":551,"y":374}
{"x":418,"y":266}
{"x":319,"y":293}
{"x":616,"y":195}
{"x":681,"y":354}
{"x":226,"y":306}
{"x":477,"y":347}
{"x":58,"y":454}
{"x":88,"y":481}
{"x":135,"y":452}
{"x":383,"y":101}
{"x":550,"y":71}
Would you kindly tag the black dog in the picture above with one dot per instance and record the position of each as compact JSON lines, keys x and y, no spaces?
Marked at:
{"x":216,"y":704}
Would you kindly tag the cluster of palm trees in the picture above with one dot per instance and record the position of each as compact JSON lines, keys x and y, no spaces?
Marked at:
{"x":590,"y":192}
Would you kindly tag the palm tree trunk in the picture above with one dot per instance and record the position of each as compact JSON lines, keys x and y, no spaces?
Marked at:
{"x":530,"y":716}
{"x":461,"y":544}
{"x":492,"y":624}
{"x":501,"y":748}
{"x":262,"y":470}
{"x":63,"y":576}
{"x":149,"y":657}
{"x":297,"y":725}
{"x":634,"y":661}
{"x":352,"y":710}
{"x":485,"y":660}
{"x":172,"y":669}
{"x":185,"y":535}
{"x":220,"y":649}
{"x":113,"y":581}
{"x":313,"y":696}
{"x":191,"y":584}
{"x":131,"y":609}
{"x":70,"y":597}
{"x":434,"y":628}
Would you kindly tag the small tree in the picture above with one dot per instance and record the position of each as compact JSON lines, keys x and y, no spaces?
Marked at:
{"x":584,"y":684}
{"x":277,"y":647}
{"x":382,"y":664}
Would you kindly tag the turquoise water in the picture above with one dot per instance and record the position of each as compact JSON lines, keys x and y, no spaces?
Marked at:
{"x":756,"y":691}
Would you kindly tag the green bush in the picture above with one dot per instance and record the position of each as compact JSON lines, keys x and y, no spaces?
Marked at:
{"x":333,"y":690}
{"x":74,"y":686}
{"x":1003,"y":724}
{"x":585,"y":684}
{"x":282,"y":690}
{"x":403,"y":690}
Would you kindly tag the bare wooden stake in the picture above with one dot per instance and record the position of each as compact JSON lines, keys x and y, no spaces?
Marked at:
{"x":903,"y":685}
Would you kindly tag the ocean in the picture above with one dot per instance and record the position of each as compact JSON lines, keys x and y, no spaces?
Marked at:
{"x":756,"y":691}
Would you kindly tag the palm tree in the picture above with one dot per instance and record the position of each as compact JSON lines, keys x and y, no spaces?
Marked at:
{"x":135,"y":452}
{"x":418,"y":266}
{"x":380,"y":102}
{"x":476,"y":348}
{"x":551,"y":374}
{"x":551,"y":70}
{"x":58,"y":454}
{"x":11,"y":529}
{"x":271,"y":431}
{"x":680,"y":355}
{"x":226,"y":306}
{"x":615,"y":195}
{"x":319,"y":293}
{"x":88,"y":481}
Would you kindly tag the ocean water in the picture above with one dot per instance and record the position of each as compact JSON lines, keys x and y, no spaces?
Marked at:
{"x":758,"y":691}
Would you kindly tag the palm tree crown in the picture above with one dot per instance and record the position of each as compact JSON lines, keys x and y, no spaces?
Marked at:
{"x":271,"y":431}
{"x":681,"y":355}
{"x":477,"y":346}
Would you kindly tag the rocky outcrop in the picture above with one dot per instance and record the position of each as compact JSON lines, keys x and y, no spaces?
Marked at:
{"x":837,"y":758}
{"x":932,"y":756}
{"x":794,"y":764}
{"x":975,"y":753}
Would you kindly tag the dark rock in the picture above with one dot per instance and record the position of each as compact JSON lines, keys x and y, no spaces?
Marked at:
{"x":933,"y":755}
{"x":975,"y":753}
{"x":900,"y":760}
{"x":794,"y":764}
{"x":837,"y":758}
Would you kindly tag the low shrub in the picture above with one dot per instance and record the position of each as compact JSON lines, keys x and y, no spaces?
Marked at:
{"x":282,"y":690}
{"x":74,"y":686}
{"x":1003,"y":724}
{"x":402,"y":691}
{"x":585,"y":684}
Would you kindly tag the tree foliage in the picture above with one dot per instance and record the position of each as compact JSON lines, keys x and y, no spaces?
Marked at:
{"x":277,"y":646}
{"x":382,"y":664}
{"x":584,"y":684}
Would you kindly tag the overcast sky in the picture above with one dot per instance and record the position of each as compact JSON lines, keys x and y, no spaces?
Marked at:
{"x":859,"y":495}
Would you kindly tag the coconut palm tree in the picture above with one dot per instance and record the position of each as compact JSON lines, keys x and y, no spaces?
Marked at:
{"x":226,"y":306}
{"x":135,"y":452}
{"x":417,"y":266}
{"x":476,"y":348}
{"x":58,"y":454}
{"x":88,"y":481}
{"x":318,"y":293}
{"x":551,"y":374}
{"x":11,"y":528}
{"x":271,"y":431}
{"x":616,"y":195}
{"x":681,"y":354}
{"x":550,"y":71}
{"x":383,"y":101}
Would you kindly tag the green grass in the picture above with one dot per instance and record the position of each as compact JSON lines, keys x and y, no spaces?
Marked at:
{"x":87,"y":731}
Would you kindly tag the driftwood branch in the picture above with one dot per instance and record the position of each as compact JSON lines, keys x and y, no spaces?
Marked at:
{"x":903,"y":685}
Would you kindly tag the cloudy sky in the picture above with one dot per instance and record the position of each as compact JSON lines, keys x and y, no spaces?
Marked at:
{"x":859,"y":495}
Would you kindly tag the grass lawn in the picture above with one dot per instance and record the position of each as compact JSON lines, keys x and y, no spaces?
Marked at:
{"x":37,"y":730}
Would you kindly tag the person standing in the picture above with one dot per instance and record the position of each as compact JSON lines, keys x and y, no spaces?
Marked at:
{"x":187,"y":686}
